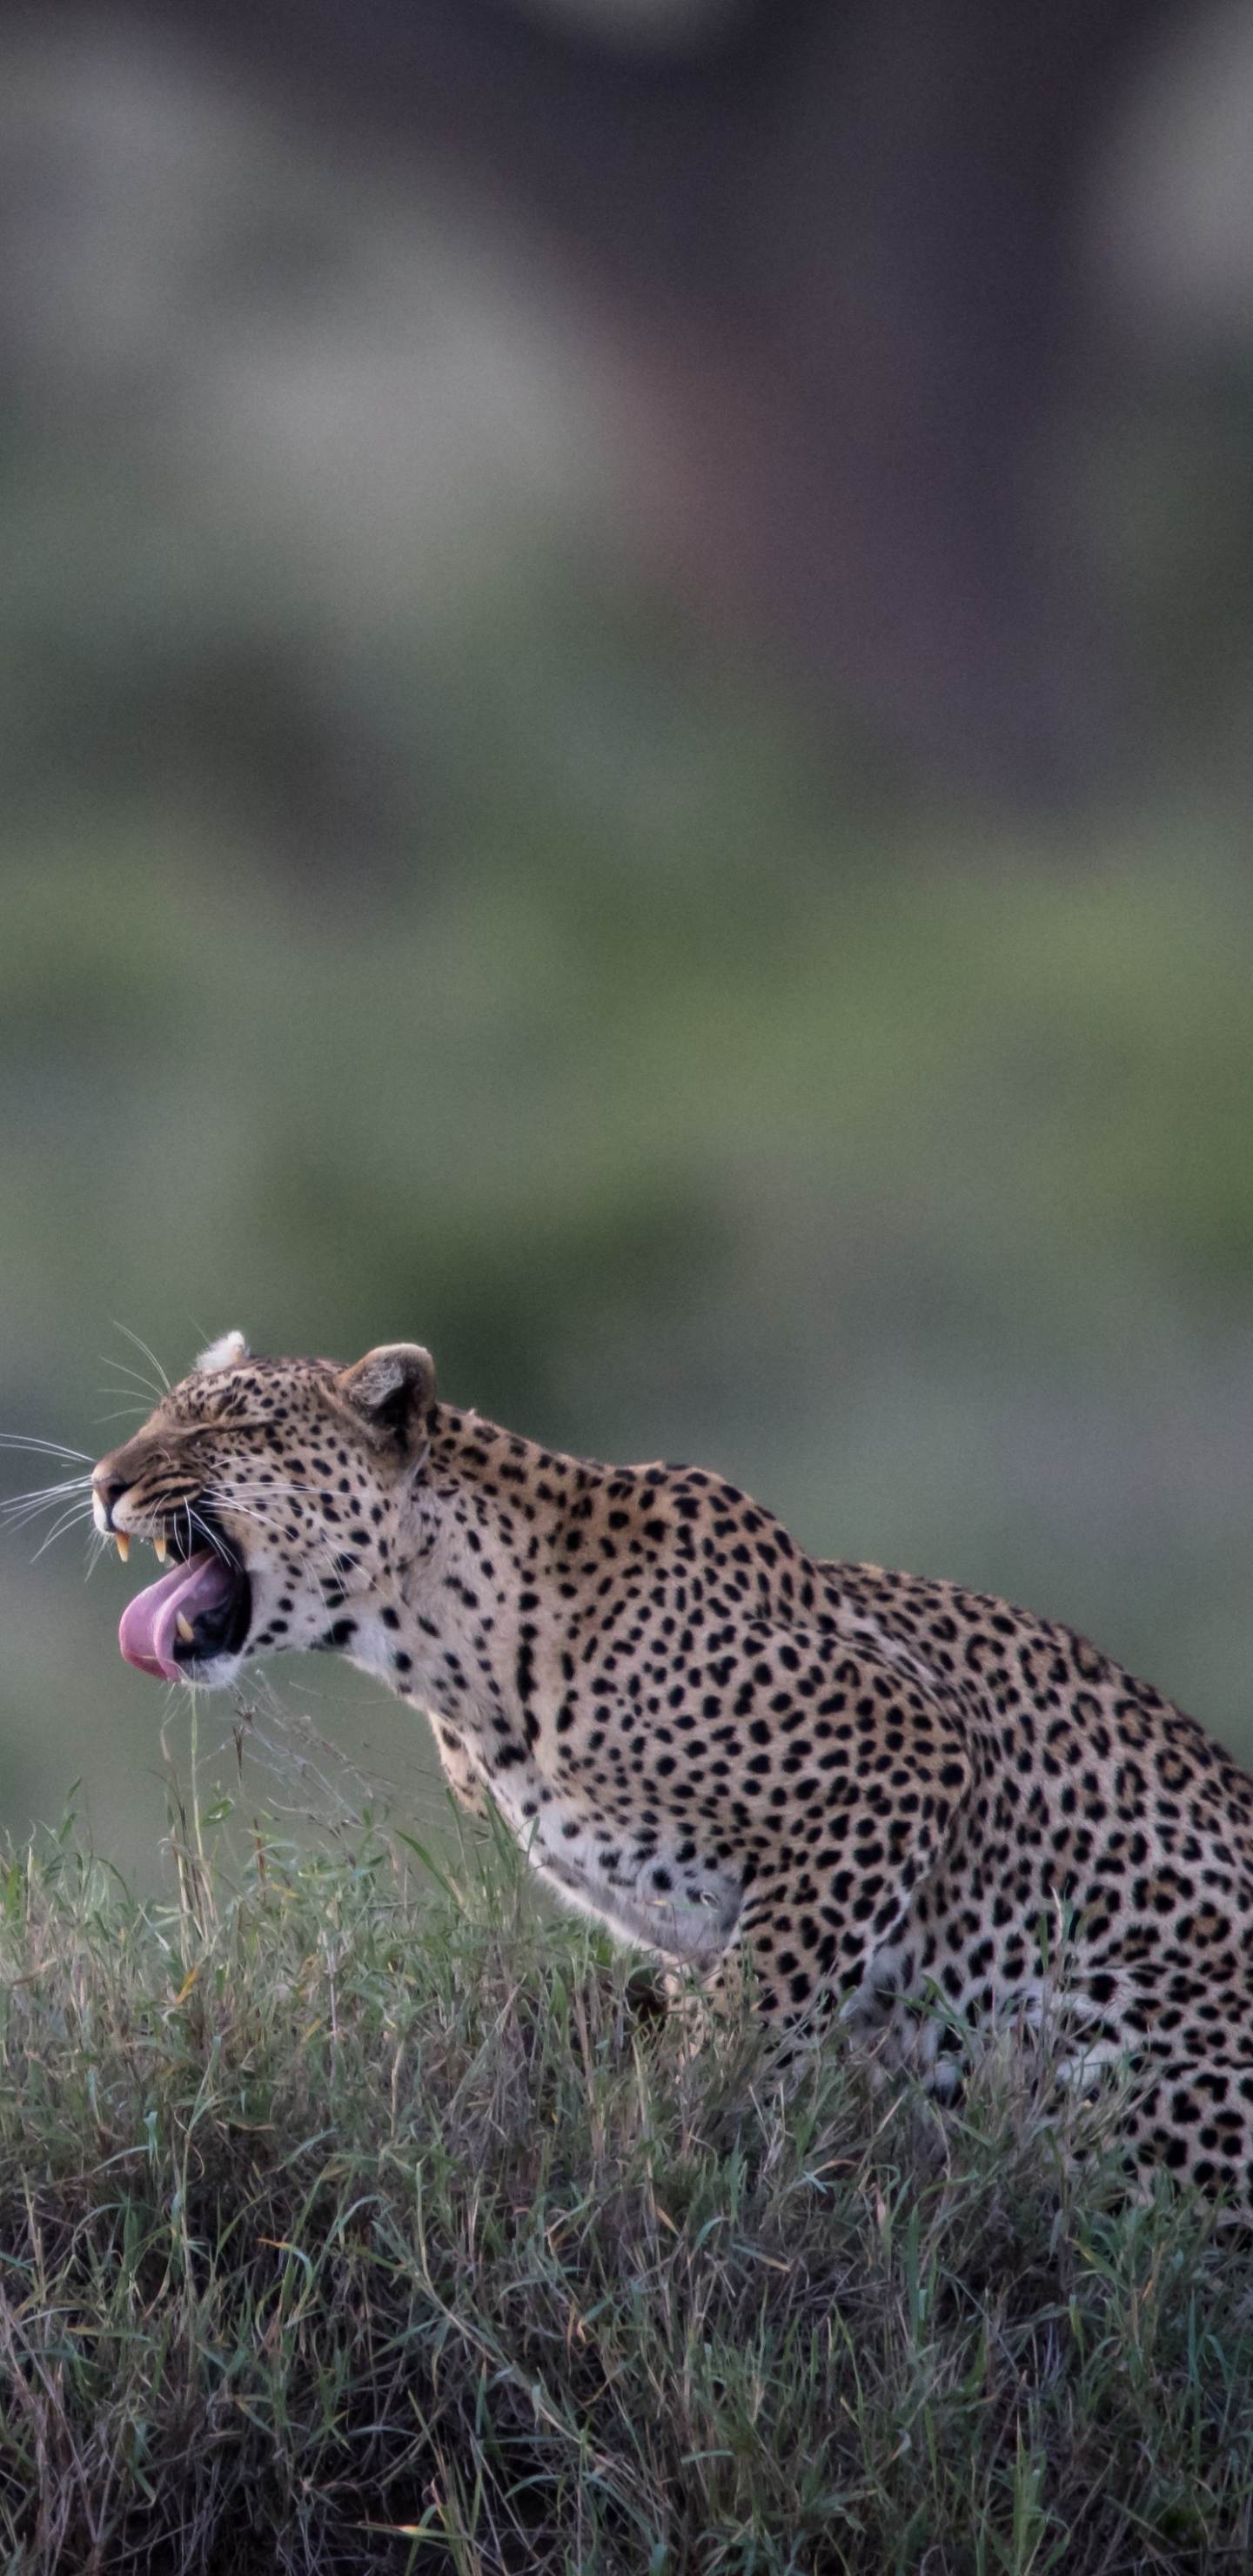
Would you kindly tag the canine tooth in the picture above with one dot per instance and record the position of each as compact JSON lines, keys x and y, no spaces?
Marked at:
{"x":123,"y":1544}
{"x":185,"y":1629}
{"x":159,"y":1548}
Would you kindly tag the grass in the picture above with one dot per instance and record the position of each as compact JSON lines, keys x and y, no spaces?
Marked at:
{"x":349,"y":2221}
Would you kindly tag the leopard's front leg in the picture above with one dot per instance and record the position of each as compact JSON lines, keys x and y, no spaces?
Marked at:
{"x":462,"y":1774}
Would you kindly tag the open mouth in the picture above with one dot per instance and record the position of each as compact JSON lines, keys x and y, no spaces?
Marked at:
{"x":200,"y":1610}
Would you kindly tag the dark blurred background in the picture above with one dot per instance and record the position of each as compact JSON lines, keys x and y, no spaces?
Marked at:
{"x":627,"y":651}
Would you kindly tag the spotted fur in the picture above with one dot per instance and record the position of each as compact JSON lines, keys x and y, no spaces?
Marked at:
{"x":895,"y":1795}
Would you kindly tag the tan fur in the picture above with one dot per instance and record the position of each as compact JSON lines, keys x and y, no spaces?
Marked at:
{"x":896,"y":1795}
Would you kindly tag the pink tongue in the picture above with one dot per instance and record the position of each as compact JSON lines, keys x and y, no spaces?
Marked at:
{"x":147,"y":1632}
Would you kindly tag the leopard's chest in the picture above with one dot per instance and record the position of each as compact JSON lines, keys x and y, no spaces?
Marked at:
{"x":646,"y":1879}
{"x":648,"y":1885}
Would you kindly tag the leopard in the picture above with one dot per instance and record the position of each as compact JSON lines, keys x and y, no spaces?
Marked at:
{"x":882,"y":1802}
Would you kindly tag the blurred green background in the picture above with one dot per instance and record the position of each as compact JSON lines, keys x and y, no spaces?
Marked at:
{"x":410,"y":925}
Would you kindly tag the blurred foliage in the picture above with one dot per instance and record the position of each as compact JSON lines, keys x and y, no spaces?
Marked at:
{"x":459,"y":947}
{"x":686,"y":1090}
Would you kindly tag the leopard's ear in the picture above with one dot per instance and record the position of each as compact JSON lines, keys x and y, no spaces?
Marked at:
{"x":393,"y":1389}
{"x":227,"y":1352}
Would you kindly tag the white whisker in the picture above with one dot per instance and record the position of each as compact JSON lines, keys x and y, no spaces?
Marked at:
{"x":29,"y":1512}
{"x":47,"y":1493}
{"x":324,"y":1547}
{"x":196,"y":1524}
{"x":142,"y":1347}
{"x":42,"y":1448}
{"x":17,"y":1509}
{"x":131,"y":1387}
{"x":270,"y":1488}
{"x":68,"y":1521}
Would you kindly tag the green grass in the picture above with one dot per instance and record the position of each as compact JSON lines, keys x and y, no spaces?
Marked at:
{"x":350,"y":2221}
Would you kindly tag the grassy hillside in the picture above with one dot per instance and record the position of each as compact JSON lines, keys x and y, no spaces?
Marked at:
{"x":350,"y":2222}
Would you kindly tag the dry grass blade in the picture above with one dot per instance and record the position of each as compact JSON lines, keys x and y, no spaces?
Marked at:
{"x":349,"y":2224}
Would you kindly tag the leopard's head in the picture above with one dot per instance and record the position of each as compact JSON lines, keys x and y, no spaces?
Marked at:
{"x":276,"y":1487}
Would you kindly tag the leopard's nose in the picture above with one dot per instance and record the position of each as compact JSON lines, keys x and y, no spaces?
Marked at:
{"x":106,"y":1490}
